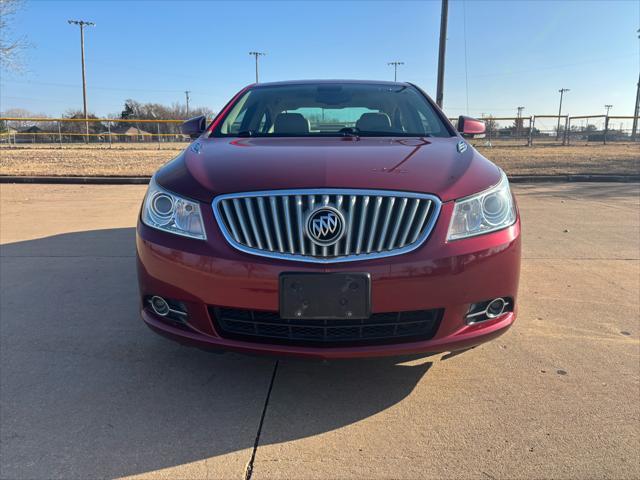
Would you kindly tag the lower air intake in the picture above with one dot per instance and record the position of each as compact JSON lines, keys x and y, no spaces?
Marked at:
{"x":380,"y":328}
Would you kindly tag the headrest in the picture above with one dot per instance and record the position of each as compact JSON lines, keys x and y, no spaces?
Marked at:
{"x":374,"y":122}
{"x":293,"y":123}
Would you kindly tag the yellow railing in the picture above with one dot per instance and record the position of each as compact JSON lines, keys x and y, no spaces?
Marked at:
{"x":90,"y":120}
{"x":105,"y":134}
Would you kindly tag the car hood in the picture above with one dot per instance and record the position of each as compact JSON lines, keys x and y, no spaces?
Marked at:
{"x":213,"y":166}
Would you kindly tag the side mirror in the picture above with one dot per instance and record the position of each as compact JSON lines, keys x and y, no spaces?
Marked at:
{"x":194,"y":126}
{"x":470,"y":126}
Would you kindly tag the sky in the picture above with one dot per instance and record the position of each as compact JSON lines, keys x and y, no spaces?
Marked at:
{"x":500,"y":54}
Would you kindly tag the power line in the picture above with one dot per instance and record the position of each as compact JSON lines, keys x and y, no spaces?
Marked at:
{"x":539,"y":68}
{"x":35,"y":99}
{"x":395,"y":69}
{"x":92,"y":87}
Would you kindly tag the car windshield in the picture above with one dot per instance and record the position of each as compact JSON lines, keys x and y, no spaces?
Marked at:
{"x":332,"y":109}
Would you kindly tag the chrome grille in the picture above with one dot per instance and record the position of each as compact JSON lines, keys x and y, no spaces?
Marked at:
{"x":377,"y":223}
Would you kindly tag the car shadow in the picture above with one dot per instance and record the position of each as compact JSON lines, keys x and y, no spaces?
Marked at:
{"x":88,"y":390}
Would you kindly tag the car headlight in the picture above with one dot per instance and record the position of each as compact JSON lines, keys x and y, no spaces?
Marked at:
{"x":168,"y":212}
{"x":484,"y":212}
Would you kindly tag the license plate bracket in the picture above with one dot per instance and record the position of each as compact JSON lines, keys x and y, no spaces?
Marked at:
{"x":325,"y":296}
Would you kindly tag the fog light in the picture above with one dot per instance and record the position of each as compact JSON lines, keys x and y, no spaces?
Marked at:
{"x":160,"y":306}
{"x":488,"y":310}
{"x":496,"y":307}
{"x":172,"y":311}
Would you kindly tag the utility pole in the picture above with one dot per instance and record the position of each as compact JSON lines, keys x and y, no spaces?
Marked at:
{"x":636,"y":111}
{"x":186,"y":94}
{"x":82,"y":24}
{"x":562,"y":90}
{"x":519,"y":122}
{"x":395,"y":69}
{"x":441,"y":53}
{"x":606,"y":123}
{"x":256,"y":55}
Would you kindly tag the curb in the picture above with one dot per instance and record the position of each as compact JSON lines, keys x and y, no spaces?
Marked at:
{"x":105,"y":180}
{"x":75,"y":180}
{"x":579,"y":177}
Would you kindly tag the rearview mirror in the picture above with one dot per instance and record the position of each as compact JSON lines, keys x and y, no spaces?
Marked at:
{"x":468,"y":126}
{"x":194,"y":126}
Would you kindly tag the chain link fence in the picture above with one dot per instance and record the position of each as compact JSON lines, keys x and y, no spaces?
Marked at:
{"x":104,"y":132}
{"x":533,"y":130}
{"x":556,"y":130}
{"x":506,"y":131}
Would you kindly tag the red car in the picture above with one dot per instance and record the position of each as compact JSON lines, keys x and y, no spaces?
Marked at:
{"x":329,"y":219}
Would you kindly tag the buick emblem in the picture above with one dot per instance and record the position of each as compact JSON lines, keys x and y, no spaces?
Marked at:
{"x":325,"y":226}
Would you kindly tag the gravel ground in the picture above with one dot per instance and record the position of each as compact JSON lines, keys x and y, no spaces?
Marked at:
{"x":143,"y":159}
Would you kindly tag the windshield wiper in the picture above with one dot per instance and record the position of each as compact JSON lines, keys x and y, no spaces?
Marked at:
{"x":376,"y":133}
{"x":350,"y":131}
{"x":246,"y":133}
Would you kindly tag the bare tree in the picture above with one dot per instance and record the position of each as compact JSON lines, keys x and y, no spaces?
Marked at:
{"x":491,"y":125}
{"x":11,"y":47}
{"x":79,"y":127}
{"x":22,"y":113}
{"x":155,"y":111}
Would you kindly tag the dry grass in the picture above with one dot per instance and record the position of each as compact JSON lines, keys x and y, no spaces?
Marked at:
{"x":91,"y":160}
{"x":144,"y":159}
{"x":552,"y":160}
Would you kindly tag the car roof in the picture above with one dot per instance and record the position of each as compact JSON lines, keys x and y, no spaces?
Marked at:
{"x":321,"y":82}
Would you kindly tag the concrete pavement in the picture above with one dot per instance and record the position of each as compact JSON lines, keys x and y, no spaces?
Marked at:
{"x":87,"y":391}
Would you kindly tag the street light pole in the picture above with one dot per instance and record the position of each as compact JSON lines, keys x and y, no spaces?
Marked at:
{"x":395,"y":69}
{"x":562,"y":90}
{"x":441,"y":54}
{"x":82,"y":24}
{"x":256,"y":55}
{"x":186,"y":94}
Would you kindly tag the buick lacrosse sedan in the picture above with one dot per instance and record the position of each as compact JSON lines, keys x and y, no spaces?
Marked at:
{"x":329,"y":219}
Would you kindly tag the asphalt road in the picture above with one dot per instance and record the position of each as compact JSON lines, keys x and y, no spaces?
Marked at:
{"x":87,"y":391}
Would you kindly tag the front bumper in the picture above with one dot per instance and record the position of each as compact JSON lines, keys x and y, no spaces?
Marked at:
{"x":438,"y":275}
